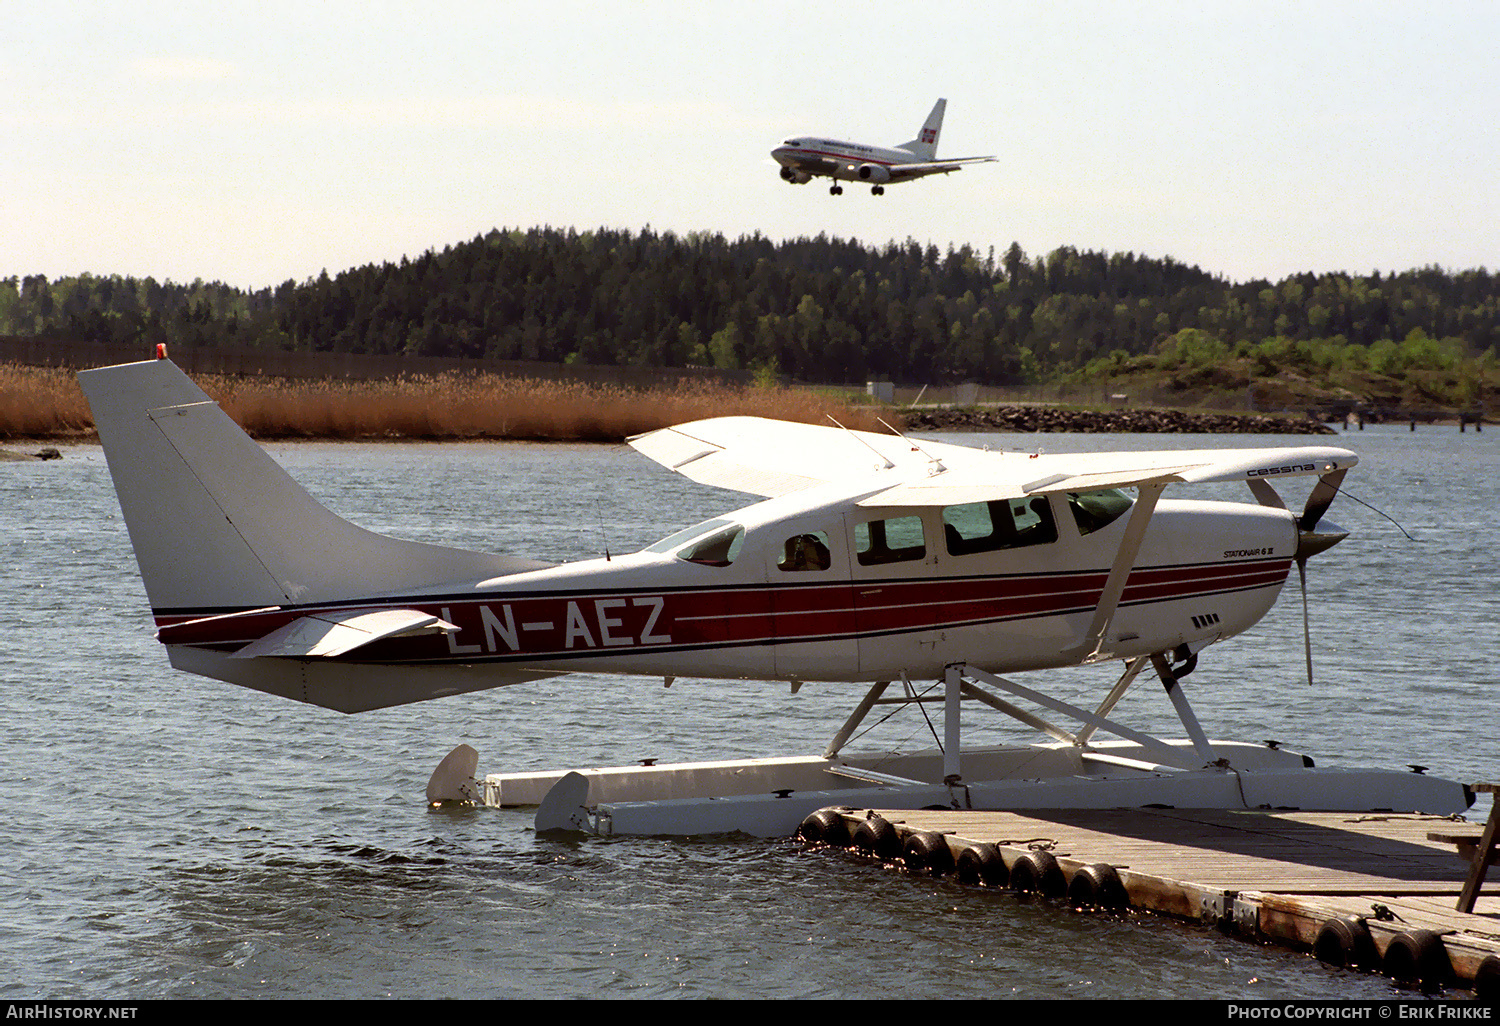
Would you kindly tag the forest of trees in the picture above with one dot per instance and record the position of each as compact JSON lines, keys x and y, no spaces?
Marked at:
{"x":816,"y":310}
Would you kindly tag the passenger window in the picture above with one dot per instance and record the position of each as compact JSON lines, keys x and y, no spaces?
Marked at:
{"x":1094,"y":510}
{"x":717,"y":549}
{"x":1000,"y":524}
{"x":889,"y":541}
{"x":806,"y":552}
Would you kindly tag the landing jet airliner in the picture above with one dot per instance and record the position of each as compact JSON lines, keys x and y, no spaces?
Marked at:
{"x":804,"y":157}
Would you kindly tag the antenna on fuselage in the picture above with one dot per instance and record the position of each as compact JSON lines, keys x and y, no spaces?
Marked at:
{"x":603,"y":536}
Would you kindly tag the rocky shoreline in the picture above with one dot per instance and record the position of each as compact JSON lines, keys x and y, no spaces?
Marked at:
{"x":11,"y":456}
{"x":1048,"y":418}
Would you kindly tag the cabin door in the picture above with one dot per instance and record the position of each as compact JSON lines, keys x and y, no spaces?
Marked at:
{"x":898,"y":595}
{"x":812,"y":605}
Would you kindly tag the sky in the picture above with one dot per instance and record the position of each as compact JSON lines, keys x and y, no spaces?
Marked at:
{"x":261,"y":142}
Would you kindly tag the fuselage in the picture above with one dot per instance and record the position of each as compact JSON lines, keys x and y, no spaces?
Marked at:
{"x":846,"y":161}
{"x":804,"y":587}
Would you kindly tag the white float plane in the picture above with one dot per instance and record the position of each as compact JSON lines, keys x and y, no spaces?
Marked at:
{"x":805,"y":157}
{"x":873,"y":558}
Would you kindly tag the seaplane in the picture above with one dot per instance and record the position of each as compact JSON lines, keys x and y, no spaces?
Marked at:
{"x":934,"y":571}
{"x":807,"y":157}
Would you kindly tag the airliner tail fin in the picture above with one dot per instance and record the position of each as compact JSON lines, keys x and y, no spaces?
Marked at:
{"x":925,"y":144}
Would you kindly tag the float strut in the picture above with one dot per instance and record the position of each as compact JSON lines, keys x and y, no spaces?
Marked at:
{"x":953,"y":689}
{"x":1170,"y":679}
{"x":855,"y":718}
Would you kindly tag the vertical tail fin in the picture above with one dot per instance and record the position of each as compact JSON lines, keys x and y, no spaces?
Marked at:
{"x":925,"y":144}
{"x":218,"y":525}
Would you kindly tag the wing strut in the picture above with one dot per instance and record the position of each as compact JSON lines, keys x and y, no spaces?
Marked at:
{"x":1119,"y":573}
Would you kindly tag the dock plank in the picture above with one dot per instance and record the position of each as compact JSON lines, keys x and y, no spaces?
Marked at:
{"x":1303,"y":851}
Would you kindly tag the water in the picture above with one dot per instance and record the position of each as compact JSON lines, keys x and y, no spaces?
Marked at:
{"x":167,"y":836}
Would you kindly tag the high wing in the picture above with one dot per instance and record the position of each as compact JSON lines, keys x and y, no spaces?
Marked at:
{"x":768,"y":458}
{"x":903,"y":172}
{"x":774,"y":457}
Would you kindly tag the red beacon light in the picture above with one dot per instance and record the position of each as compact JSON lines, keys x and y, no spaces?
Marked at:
{"x":161,"y":350}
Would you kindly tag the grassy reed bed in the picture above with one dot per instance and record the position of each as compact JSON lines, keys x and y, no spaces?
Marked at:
{"x":41,"y":403}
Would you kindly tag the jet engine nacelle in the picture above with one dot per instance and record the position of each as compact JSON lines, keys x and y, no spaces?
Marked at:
{"x":877,"y":173}
{"x":795,"y":177}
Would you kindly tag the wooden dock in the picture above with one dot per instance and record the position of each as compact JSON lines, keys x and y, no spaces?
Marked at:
{"x":1365,"y":889}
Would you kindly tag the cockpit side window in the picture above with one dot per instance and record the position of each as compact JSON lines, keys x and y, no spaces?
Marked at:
{"x":895,"y":540}
{"x":718,"y":549}
{"x":808,"y":551}
{"x":1095,"y":510}
{"x":999,"y":524}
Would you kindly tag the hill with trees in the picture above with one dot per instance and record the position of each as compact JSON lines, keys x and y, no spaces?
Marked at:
{"x":819,"y":310}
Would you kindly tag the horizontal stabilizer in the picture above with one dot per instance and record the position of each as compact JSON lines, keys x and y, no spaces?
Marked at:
{"x":326,"y":635}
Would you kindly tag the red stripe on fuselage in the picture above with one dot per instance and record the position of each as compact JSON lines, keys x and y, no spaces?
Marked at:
{"x":501,"y":626}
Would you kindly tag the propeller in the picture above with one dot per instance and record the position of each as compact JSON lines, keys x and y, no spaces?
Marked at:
{"x":1313,"y":537}
{"x":1318,"y":501}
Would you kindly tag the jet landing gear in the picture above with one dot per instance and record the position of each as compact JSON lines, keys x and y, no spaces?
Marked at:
{"x":835,"y":190}
{"x":877,"y":190}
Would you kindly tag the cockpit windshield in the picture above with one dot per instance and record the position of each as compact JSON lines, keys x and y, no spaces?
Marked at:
{"x":718,"y":549}
{"x":672,"y":541}
{"x":712,"y":543}
{"x":1094,"y":510}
